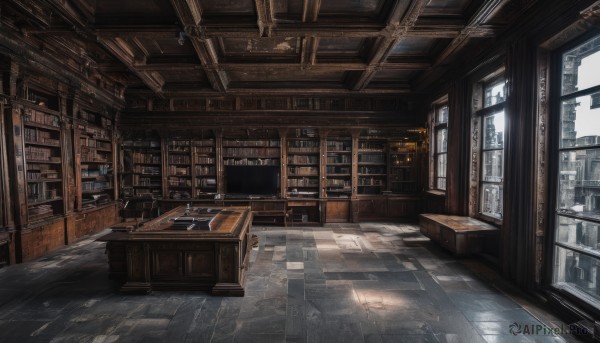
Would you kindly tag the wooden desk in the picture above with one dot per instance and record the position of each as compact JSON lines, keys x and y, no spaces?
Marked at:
{"x":154,"y":256}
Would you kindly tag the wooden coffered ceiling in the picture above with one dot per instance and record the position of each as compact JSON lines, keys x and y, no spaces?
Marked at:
{"x":171,"y":48}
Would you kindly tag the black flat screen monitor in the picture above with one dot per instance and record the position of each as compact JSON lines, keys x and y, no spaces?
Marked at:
{"x":251,"y":180}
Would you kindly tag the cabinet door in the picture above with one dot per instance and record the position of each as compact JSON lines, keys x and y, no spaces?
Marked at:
{"x":375,"y":208}
{"x":403,"y":207}
{"x":337,"y":211}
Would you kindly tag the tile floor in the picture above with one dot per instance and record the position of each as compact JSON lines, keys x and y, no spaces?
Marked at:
{"x":369,"y":282}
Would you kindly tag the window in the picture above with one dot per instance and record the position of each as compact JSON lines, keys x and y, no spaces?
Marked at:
{"x":440,"y":154}
{"x":577,"y":217}
{"x":492,"y":149}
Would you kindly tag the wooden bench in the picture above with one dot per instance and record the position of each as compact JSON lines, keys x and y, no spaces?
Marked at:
{"x":461,"y":235}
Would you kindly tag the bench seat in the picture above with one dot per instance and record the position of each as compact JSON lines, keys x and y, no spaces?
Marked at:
{"x":458,"y":234}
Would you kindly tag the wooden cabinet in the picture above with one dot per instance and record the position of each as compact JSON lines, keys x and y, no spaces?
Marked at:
{"x":403,"y":207}
{"x":372,"y":208}
{"x":337,"y":211}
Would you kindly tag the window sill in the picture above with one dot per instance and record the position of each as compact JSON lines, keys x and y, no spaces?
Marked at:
{"x":435,"y":192}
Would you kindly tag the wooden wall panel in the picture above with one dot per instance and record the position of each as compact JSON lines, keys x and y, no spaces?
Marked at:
{"x":40,"y":240}
{"x":89,"y":223}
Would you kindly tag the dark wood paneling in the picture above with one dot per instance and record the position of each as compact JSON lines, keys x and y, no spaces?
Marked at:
{"x":38,"y":241}
{"x":93,"y":221}
{"x":337,"y":211}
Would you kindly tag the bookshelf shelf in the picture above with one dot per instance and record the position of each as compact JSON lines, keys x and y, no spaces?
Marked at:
{"x":43,"y":147}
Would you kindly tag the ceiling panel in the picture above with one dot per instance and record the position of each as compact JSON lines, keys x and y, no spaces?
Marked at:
{"x":189,"y":75}
{"x":261,"y":46}
{"x":288,"y":9}
{"x":342,"y":45}
{"x":228,"y":7}
{"x":446,"y":7}
{"x":362,"y":8}
{"x":415,"y":46}
{"x":283,"y":75}
{"x":166,"y":45}
{"x":395,"y":75}
{"x":135,"y":12}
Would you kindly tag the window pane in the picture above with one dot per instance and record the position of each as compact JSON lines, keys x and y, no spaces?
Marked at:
{"x":441,"y":183}
{"x":580,"y":233}
{"x":580,"y":122}
{"x":493,"y":129}
{"x":442,"y":141}
{"x":442,"y":161}
{"x":579,"y":182}
{"x":578,"y":271}
{"x":493,"y":165}
{"x":491,"y":200}
{"x":580,"y":67}
{"x":494,"y":93}
{"x":442,"y":115}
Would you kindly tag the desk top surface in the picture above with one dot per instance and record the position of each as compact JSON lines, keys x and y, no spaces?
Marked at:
{"x":224,"y":222}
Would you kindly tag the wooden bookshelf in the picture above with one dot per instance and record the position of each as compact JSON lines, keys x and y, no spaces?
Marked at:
{"x":403,"y":167}
{"x":338,"y":166}
{"x":372,"y":162}
{"x":43,"y":158}
{"x":96,"y":159}
{"x":179,"y":169}
{"x":303,"y":163}
{"x":204,"y":171}
{"x":142,"y":167}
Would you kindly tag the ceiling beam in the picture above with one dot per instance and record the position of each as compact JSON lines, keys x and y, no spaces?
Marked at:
{"x":126,"y":54}
{"x":472,"y":29}
{"x":308,"y":55}
{"x":189,"y":13}
{"x":397,"y":28}
{"x":431,"y":29}
{"x":265,"y":17}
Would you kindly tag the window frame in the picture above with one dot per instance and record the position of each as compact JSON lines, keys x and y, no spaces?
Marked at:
{"x":555,"y":212}
{"x":481,"y":113}
{"x":437,"y":127}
